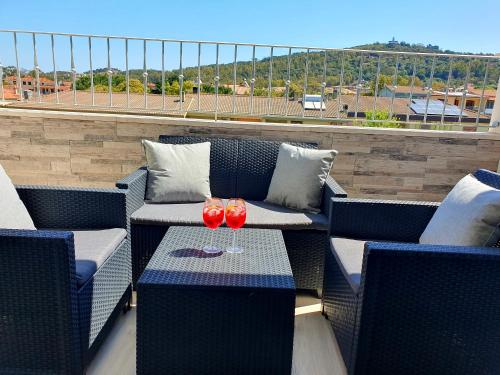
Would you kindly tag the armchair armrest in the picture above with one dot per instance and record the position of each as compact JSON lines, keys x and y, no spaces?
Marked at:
{"x":424,"y":299}
{"x":135,"y":186}
{"x":39,"y":306}
{"x":75,"y":208}
{"x":380,"y":220}
{"x":330,"y":190}
{"x":135,"y":181}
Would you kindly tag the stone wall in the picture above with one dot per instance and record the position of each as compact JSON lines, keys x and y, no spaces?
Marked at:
{"x":63,"y":148}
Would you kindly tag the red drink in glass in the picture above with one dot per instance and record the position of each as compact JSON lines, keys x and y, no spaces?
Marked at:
{"x":235,"y":216}
{"x":213,"y":216}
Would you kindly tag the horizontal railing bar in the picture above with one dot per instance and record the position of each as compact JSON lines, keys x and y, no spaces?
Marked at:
{"x":354,"y":50}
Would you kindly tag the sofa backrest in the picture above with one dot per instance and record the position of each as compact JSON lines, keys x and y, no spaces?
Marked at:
{"x":488,"y":177}
{"x":491,"y":179}
{"x":239,"y":167}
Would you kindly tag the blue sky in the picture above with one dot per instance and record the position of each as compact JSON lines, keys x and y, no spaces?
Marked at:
{"x":457,"y":25}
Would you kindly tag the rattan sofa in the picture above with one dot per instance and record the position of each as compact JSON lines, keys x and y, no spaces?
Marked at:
{"x":61,"y":289}
{"x":238,"y":168}
{"x":397,"y":307}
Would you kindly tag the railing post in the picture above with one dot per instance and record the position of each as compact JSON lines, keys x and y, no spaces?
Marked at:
{"x":1,"y":82}
{"x":73,"y":69}
{"x":145,"y":75}
{"x":163,"y":75}
{"x":127,"y":74}
{"x":199,"y":76}
{"x":18,"y":71}
{"x":36,"y":69}
{"x":56,"y":83}
{"x":181,"y":78}
{"x":92,"y":91}
{"x":495,"y":115}
{"x":110,"y":73}
{"x":252,"y":81}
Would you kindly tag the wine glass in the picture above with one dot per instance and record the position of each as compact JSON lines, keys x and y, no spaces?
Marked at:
{"x":213,"y":216}
{"x":236,"y":214}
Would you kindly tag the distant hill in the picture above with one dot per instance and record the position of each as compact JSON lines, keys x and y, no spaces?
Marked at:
{"x":351,"y":68}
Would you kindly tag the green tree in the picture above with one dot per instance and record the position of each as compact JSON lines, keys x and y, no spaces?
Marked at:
{"x":83,"y":83}
{"x":381,"y":119}
{"x":259,"y":91}
{"x":174,"y":88}
{"x":136,"y":86}
{"x":101,"y":88}
{"x":188,"y":86}
{"x":295,"y":90}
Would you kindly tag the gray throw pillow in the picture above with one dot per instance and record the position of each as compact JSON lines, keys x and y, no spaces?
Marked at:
{"x":14,"y":214}
{"x":468,"y":216}
{"x":177,"y":173}
{"x":299,"y":177}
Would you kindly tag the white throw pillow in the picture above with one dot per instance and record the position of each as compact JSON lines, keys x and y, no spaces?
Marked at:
{"x":177,"y":173}
{"x":13,"y":213}
{"x":299,"y":177}
{"x":468,"y":216}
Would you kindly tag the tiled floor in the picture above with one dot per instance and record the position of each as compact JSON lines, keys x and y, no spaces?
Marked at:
{"x":315,"y":349}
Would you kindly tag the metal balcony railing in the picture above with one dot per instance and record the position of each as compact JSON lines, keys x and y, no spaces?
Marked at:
{"x":258,"y":80}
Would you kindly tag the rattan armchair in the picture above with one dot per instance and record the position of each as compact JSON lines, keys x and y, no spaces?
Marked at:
{"x":50,"y":323}
{"x":398,"y":307}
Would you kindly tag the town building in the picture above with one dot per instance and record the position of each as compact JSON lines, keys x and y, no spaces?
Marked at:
{"x":416,"y":92}
{"x":47,"y":86}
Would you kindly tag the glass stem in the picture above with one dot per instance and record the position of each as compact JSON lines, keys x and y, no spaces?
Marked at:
{"x":234,"y":239}
{"x":212,"y":239}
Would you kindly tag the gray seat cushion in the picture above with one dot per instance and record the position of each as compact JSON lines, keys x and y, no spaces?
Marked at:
{"x":349,"y":256}
{"x":92,"y":248}
{"x":259,"y":215}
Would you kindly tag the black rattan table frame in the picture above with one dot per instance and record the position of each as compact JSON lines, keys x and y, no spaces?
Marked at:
{"x":216,"y":314}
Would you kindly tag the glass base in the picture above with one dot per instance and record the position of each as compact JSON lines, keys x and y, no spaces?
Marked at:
{"x":234,"y":250}
{"x":211,"y":249}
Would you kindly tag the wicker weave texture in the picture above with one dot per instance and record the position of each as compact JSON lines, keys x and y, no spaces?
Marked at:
{"x":306,"y":251}
{"x":488,"y":177}
{"x":76,"y":208}
{"x":145,"y":241}
{"x":380,"y":220}
{"x":39,"y":325}
{"x":100,"y":295}
{"x":135,"y":189}
{"x":46,"y":324}
{"x":429,"y":310}
{"x":340,"y":306}
{"x":216,"y":314}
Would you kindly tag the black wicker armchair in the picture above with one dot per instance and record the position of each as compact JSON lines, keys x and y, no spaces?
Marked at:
{"x":397,"y":307}
{"x":61,"y":289}
{"x":238,"y":168}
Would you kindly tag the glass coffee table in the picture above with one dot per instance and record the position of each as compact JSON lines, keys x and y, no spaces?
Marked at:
{"x":216,"y":313}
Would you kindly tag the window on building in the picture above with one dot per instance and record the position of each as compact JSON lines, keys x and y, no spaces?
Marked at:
{"x":469,"y":104}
